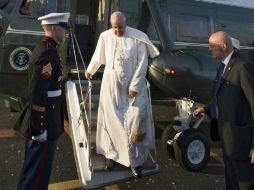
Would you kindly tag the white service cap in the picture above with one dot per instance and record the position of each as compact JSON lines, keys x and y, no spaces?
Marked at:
{"x":235,"y":43}
{"x":55,"y":18}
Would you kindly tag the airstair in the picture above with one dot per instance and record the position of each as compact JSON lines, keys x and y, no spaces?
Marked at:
{"x":82,"y":121}
{"x":82,"y":97}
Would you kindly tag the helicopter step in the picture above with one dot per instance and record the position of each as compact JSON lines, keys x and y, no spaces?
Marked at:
{"x":89,"y":164}
{"x":98,"y":162}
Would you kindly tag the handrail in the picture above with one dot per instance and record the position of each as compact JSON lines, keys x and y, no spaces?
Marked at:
{"x":90,"y":122}
{"x":88,"y":95}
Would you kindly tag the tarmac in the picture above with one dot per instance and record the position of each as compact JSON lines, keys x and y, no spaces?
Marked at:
{"x":64,"y":173}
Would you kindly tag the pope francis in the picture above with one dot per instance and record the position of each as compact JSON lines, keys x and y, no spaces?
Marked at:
{"x":125,"y":130}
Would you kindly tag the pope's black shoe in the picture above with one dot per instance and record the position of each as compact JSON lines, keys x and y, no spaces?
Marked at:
{"x":136,"y":171}
{"x":110,"y":164}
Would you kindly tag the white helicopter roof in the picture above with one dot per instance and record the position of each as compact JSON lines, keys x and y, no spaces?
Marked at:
{"x":237,"y":3}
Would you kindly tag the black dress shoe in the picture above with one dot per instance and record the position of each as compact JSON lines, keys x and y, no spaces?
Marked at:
{"x":136,"y":171}
{"x":110,"y":164}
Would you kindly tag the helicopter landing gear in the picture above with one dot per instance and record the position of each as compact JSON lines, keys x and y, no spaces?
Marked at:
{"x":183,"y":141}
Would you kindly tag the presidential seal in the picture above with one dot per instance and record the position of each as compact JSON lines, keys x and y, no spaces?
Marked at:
{"x":19,"y":58}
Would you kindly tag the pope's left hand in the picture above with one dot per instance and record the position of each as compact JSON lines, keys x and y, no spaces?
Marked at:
{"x":252,"y":156}
{"x":88,"y":75}
{"x":132,"y":93}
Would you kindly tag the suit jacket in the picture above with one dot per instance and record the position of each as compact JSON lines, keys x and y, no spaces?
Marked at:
{"x":235,"y":100}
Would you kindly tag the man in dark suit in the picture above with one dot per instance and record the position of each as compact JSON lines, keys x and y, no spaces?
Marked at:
{"x":42,"y":120}
{"x":232,"y":112}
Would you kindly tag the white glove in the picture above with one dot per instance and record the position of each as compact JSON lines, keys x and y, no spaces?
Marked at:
{"x":42,"y":137}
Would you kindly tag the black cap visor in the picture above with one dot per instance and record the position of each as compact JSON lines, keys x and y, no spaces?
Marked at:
{"x":64,"y":25}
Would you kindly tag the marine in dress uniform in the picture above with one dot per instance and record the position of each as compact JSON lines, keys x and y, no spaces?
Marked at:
{"x":42,"y":119}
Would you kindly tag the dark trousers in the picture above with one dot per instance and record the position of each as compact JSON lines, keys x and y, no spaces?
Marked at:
{"x":239,"y":175}
{"x":37,"y":166}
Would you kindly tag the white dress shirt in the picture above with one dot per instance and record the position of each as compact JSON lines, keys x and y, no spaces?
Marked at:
{"x":227,"y":59}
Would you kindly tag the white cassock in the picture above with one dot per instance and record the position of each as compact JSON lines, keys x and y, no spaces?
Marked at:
{"x":120,"y":118}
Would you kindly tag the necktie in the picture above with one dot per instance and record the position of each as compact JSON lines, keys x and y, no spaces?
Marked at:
{"x":214,"y":110}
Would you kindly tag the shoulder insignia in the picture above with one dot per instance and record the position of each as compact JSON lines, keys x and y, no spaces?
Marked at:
{"x":46,"y":71}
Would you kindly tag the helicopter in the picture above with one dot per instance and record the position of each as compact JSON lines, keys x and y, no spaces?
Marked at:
{"x":184,"y":67}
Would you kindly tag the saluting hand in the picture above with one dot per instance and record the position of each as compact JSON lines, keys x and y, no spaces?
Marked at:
{"x":132,"y":93}
{"x":88,"y":75}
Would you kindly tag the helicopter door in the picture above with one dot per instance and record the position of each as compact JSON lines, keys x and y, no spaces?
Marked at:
{"x":82,"y":121}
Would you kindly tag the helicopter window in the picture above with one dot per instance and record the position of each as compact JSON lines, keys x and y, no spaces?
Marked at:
{"x":152,"y":32}
{"x":38,"y":8}
{"x":153,"y":35}
{"x":24,"y":7}
{"x":194,"y":26}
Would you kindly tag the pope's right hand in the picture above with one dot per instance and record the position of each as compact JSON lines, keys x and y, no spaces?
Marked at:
{"x":88,"y":75}
{"x":198,"y":113}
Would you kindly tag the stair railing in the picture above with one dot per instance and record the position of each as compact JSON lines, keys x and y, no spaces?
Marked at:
{"x":88,"y":95}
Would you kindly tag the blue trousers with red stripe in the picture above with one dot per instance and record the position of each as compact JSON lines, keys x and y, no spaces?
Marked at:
{"x":37,"y":166}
